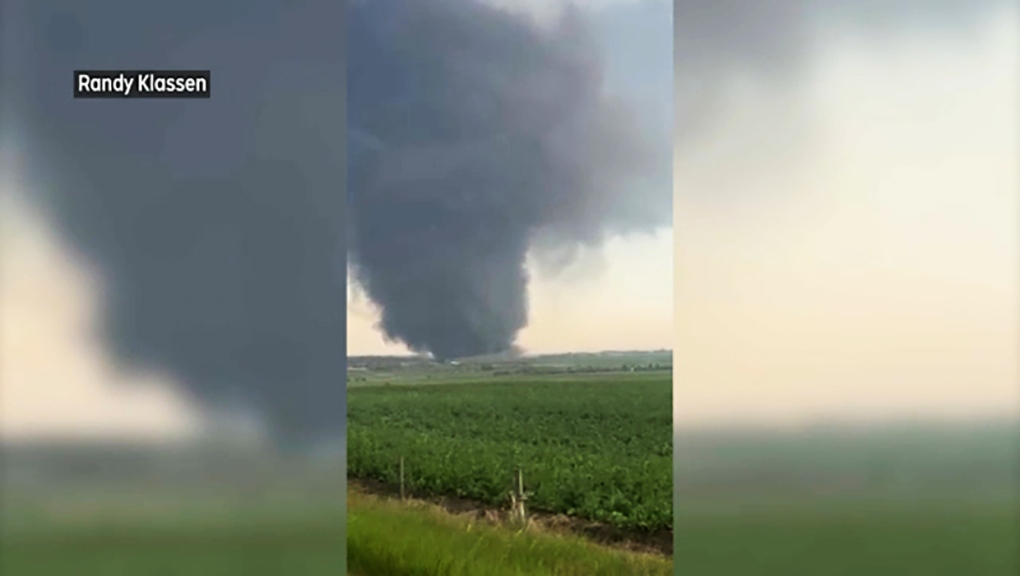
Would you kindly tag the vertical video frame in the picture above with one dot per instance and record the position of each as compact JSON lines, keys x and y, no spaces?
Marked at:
{"x":510,"y":300}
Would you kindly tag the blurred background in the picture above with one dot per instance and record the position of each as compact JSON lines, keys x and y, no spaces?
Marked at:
{"x":847,"y":184}
{"x":172,"y":384}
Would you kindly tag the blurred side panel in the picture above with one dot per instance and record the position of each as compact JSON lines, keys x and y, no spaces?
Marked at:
{"x":847,"y":180}
{"x":172,"y":323}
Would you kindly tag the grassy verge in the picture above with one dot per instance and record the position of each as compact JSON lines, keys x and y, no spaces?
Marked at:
{"x":387,"y":537}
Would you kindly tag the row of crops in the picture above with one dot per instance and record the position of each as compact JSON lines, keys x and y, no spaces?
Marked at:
{"x":599,"y":449}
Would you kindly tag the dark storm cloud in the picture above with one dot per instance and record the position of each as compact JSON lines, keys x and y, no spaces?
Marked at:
{"x":771,"y":41}
{"x":217,"y":225}
{"x":475,"y":137}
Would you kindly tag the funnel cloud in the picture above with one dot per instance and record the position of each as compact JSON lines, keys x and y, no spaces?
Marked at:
{"x":477,"y":137}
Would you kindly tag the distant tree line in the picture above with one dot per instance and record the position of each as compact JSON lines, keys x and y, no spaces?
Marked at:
{"x":547,"y":370}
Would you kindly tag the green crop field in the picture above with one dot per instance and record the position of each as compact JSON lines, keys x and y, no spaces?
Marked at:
{"x":597,"y":447}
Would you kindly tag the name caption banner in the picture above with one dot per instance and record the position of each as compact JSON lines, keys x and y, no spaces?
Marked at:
{"x":142,"y":83}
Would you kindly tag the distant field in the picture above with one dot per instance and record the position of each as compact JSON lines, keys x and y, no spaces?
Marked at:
{"x":376,"y":370}
{"x":386,"y":537}
{"x":597,"y":447}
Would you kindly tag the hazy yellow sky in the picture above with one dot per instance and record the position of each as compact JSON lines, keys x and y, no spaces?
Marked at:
{"x":55,"y":377}
{"x":619,"y":298}
{"x":870,"y":268}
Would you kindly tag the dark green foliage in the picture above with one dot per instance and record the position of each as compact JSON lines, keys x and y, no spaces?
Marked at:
{"x":599,"y":448}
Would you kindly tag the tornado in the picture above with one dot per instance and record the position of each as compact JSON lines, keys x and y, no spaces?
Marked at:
{"x":478,"y":136}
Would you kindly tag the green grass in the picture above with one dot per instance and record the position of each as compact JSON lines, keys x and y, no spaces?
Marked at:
{"x":247,"y":542}
{"x":833,"y":538}
{"x":385,"y":537}
{"x":594,"y":447}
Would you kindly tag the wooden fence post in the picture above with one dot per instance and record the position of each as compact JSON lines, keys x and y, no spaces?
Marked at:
{"x":402,"y":493}
{"x":521,"y":497}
